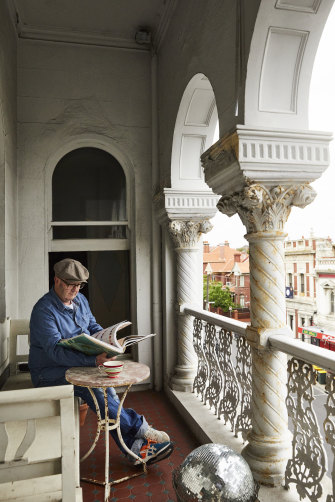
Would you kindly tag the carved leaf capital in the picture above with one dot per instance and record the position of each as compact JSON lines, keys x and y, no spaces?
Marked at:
{"x":186,"y":234}
{"x":263,"y":209}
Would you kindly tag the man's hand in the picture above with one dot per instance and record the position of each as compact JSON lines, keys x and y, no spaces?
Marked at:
{"x":102,"y":358}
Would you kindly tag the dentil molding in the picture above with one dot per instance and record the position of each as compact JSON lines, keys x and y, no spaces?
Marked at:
{"x":183,"y":205}
{"x":265,"y":156}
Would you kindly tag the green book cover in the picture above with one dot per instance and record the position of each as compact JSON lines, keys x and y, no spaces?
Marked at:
{"x":88,"y":345}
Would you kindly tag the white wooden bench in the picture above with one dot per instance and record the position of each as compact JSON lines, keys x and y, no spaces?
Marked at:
{"x":16,"y":332}
{"x":39,"y":429}
{"x":39,"y":445}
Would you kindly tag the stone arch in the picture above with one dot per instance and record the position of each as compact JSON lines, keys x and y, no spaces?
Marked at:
{"x":281,"y":59}
{"x":194,"y":132}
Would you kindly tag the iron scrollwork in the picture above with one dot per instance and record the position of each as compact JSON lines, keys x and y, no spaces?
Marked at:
{"x":199,"y":384}
{"x":214,"y":388}
{"x":243,"y":374}
{"x":329,"y":425}
{"x":307,"y":467}
{"x":231,"y":393}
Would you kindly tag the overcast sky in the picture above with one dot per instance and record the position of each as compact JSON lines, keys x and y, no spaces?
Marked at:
{"x":319,"y":216}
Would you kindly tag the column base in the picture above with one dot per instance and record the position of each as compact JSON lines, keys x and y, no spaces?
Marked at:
{"x":267,"y":457}
{"x":183,"y":379}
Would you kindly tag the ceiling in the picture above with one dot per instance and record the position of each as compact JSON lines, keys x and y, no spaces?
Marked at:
{"x":98,"y":22}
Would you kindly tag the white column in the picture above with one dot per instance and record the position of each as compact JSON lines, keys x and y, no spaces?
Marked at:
{"x":269,"y":443}
{"x":186,"y":235}
{"x":264,"y":212}
{"x":260,"y":177}
{"x":186,"y":214}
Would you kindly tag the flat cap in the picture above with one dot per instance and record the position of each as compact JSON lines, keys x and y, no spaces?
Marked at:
{"x":71,"y":270}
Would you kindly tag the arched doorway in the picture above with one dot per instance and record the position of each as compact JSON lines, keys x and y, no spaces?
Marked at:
{"x":89,"y":223}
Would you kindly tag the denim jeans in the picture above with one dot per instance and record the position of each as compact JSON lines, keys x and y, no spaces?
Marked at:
{"x":132,"y":425}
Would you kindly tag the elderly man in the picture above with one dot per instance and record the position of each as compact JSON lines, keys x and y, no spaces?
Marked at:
{"x":63,"y":313}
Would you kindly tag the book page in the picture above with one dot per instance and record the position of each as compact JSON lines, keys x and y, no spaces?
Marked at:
{"x":109,"y":334}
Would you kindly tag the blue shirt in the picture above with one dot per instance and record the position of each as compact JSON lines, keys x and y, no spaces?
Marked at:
{"x":51,"y":321}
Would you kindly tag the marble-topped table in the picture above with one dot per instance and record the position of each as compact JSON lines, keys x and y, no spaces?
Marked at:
{"x":93,"y":378}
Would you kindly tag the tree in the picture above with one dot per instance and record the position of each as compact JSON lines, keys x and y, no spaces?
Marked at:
{"x":219,"y":296}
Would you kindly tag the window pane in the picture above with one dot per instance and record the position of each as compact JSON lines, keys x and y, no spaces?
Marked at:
{"x":88,"y":184}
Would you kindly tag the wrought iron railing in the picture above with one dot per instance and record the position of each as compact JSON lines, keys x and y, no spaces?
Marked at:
{"x":223,"y":382}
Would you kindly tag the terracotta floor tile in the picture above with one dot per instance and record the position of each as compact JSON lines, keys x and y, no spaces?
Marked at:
{"x":157,"y":484}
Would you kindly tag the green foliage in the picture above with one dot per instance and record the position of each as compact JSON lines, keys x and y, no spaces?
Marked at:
{"x":244,"y":249}
{"x":220,"y":297}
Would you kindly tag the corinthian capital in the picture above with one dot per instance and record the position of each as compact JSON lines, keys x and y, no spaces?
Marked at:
{"x":264,"y":209}
{"x":186,"y":234}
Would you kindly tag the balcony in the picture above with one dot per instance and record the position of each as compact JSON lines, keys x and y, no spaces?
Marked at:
{"x":221,"y":407}
{"x":219,"y":411}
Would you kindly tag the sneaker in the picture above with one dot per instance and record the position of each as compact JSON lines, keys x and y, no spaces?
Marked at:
{"x":157,"y":436}
{"x":152,"y":452}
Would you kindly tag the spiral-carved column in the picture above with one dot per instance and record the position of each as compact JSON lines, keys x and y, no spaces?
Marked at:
{"x":186,"y":235}
{"x":264,"y":212}
{"x":269,"y":441}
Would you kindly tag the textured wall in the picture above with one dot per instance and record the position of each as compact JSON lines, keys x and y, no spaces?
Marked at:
{"x":8,"y":257}
{"x":201,"y":39}
{"x":69,"y":94}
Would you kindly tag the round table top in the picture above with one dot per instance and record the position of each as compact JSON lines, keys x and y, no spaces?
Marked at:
{"x":85,"y":376}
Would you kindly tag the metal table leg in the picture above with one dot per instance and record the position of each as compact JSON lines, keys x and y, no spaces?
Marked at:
{"x":107,"y":425}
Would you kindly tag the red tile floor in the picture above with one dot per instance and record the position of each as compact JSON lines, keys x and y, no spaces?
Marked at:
{"x":156,"y":485}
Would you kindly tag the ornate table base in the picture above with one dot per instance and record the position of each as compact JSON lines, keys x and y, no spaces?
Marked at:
{"x":91,"y":378}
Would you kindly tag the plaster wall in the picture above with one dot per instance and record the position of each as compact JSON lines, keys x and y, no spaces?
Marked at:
{"x":202,"y":39}
{"x":8,"y":215}
{"x":81,"y":95}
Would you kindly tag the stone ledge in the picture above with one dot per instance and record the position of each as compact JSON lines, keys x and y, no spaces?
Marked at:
{"x":208,"y":429}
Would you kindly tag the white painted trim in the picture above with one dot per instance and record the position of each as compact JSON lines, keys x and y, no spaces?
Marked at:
{"x":87,"y":223}
{"x":59,"y":245}
{"x":84,"y":141}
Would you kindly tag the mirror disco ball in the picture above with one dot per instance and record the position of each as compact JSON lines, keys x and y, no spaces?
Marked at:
{"x":215,"y":473}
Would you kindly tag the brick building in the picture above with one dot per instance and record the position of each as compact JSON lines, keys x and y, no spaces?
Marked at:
{"x":231,"y":267}
{"x":310,"y":283}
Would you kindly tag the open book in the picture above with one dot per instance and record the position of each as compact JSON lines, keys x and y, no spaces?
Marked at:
{"x":103,"y":341}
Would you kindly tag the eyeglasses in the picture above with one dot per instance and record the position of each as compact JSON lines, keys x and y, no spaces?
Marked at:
{"x":80,"y":285}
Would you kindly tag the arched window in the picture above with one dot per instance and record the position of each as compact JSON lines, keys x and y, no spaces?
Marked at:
{"x":89,"y":196}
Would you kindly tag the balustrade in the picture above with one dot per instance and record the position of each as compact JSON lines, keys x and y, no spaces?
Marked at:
{"x":224,"y":384}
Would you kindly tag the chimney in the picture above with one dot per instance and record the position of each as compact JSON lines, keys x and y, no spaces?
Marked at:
{"x":206,"y":247}
{"x":237,"y":257}
{"x":226,"y":243}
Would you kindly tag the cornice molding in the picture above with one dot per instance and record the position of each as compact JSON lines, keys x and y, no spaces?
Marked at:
{"x":102,"y":38}
{"x":269,"y":157}
{"x":182,"y":205}
{"x":81,"y":38}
